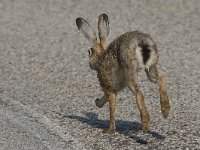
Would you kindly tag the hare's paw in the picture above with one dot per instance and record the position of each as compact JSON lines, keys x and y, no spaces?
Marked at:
{"x":164,"y":100}
{"x":145,"y":123}
{"x":109,"y":130}
{"x":98,"y":103}
{"x":165,"y":110}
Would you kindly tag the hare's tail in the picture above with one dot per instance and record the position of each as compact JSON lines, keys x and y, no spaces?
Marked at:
{"x":149,"y":76}
{"x":147,"y":56}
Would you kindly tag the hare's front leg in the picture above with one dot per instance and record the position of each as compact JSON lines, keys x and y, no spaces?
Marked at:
{"x":101,"y":102}
{"x":112,"y":102}
{"x":164,"y":100}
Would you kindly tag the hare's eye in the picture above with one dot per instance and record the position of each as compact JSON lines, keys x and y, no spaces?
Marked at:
{"x":90,"y":51}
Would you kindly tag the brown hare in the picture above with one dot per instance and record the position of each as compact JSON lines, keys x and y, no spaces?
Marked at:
{"x":117,"y":64}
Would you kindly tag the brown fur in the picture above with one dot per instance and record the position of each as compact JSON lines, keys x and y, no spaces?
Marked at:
{"x":117,"y":65}
{"x":99,"y":48}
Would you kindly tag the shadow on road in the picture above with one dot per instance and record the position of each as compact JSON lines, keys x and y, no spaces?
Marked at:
{"x":127,"y":128}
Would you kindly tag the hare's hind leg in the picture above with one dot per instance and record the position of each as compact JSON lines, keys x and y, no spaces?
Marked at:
{"x":132,"y":85}
{"x":164,"y":100}
{"x":160,"y":80}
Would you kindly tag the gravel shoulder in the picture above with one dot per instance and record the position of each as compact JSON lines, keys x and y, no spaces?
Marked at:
{"x":47,"y":90}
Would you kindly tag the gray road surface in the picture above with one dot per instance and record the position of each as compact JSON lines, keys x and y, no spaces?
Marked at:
{"x":47,"y":89}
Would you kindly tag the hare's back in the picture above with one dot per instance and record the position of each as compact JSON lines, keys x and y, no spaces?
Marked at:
{"x":135,"y":39}
{"x":135,"y":49}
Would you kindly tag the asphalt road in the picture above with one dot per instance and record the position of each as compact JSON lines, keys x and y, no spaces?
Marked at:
{"x":47,"y":89}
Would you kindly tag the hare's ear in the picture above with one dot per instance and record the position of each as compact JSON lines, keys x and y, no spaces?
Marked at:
{"x":86,"y":30}
{"x":104,"y":30}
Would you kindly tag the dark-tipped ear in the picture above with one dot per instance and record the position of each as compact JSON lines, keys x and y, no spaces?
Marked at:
{"x":86,"y":30}
{"x":104,"y":29}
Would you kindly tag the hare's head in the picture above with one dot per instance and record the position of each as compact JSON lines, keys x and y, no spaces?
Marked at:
{"x":98,"y":47}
